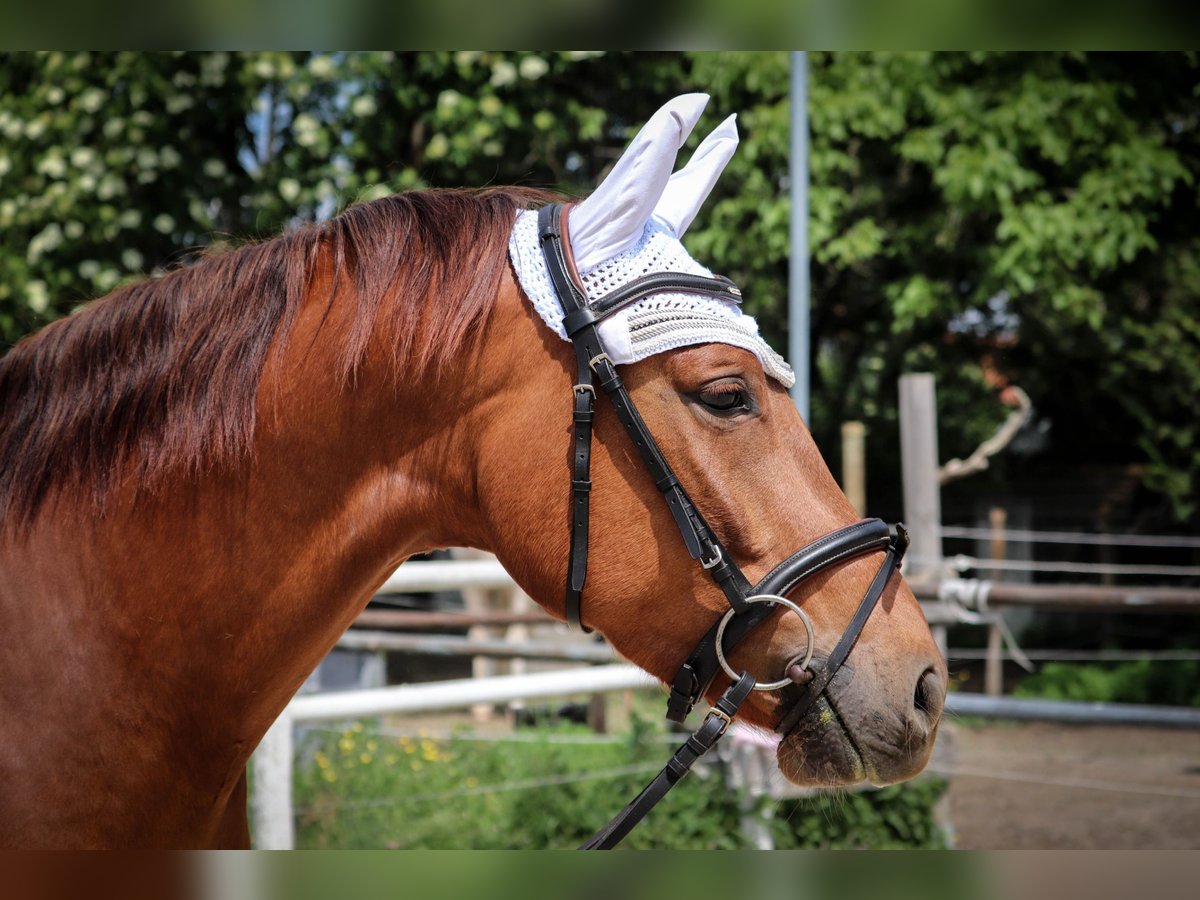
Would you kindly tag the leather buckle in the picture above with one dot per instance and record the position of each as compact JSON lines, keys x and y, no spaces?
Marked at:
{"x":599,"y":358}
{"x":724,"y":716}
{"x":716,"y":559}
{"x":580,"y":388}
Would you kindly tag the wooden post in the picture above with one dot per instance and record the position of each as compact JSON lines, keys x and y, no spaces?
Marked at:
{"x":998,"y":522}
{"x":479,"y":600}
{"x":922,"y":489}
{"x":993,"y":672}
{"x":518,"y":602}
{"x":598,"y":713}
{"x":854,"y":472}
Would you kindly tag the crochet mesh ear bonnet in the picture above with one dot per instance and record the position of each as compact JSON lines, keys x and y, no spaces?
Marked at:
{"x":631,"y":227}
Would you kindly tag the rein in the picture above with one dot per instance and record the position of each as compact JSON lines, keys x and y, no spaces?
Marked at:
{"x":749,"y":605}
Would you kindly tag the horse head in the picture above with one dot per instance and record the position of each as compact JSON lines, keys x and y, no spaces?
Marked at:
{"x":712,"y":396}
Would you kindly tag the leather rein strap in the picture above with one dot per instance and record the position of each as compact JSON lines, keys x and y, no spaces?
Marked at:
{"x":581,"y":322}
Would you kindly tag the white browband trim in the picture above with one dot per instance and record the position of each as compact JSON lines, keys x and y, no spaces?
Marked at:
{"x":654,"y":324}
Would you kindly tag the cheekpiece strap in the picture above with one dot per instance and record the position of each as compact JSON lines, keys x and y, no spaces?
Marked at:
{"x":593,"y":366}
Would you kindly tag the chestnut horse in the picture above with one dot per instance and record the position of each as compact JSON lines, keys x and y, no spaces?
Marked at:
{"x":205,"y":477}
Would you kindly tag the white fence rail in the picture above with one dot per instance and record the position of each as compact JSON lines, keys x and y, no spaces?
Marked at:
{"x":447,"y":575}
{"x":271,"y":810}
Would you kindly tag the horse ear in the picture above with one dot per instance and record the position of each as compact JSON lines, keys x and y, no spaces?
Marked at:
{"x":688,"y":188}
{"x":611,"y":220}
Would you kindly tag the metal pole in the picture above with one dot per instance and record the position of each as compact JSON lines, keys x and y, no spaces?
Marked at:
{"x":464,"y":692}
{"x":798,"y":287}
{"x":1032,"y":709}
{"x":919,"y":467}
{"x":922,"y":490}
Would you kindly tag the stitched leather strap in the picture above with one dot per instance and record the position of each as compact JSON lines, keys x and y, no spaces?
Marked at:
{"x":701,"y":741}
{"x":647,"y":286}
{"x":837,"y":658}
{"x":699,"y":539}
{"x":586,"y":345}
{"x":698,"y":671}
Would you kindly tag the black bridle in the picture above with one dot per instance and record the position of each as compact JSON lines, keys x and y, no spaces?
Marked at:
{"x":750,"y":604}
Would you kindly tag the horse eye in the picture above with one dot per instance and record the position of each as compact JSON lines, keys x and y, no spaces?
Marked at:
{"x":728,"y":400}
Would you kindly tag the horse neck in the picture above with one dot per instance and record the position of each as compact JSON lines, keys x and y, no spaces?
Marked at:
{"x":201,"y":606}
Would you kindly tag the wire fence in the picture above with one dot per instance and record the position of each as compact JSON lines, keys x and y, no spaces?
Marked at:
{"x":473,"y":737}
{"x":962,"y":562}
{"x":1031,"y":536}
{"x":1084,"y":655}
{"x":948,"y":771}
{"x":526,"y":784}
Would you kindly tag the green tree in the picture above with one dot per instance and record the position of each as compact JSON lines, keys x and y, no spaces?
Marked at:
{"x":1034,"y":213}
{"x":111,"y":164}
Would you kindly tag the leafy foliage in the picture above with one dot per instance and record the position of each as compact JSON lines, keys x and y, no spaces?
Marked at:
{"x":1174,"y":683}
{"x":987,"y":217}
{"x":363,"y":788}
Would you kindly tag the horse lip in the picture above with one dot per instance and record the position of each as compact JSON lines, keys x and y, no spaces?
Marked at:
{"x":797,"y":693}
{"x":851,"y":769}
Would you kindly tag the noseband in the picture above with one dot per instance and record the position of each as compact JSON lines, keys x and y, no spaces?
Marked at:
{"x":749,"y":605}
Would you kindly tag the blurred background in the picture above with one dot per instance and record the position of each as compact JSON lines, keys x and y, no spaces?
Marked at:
{"x":1020,"y":228}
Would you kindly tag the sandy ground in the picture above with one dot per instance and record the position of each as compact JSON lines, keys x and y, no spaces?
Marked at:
{"x":1048,"y":786}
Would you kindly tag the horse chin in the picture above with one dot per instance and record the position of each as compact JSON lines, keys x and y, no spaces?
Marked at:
{"x":820,"y":752}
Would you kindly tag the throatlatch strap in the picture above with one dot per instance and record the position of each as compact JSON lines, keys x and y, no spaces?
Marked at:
{"x":701,"y":741}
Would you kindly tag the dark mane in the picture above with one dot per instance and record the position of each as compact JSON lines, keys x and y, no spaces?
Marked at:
{"x":163,"y":374}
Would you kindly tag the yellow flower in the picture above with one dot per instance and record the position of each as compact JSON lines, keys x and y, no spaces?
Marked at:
{"x":365,"y":758}
{"x":416,"y":766}
{"x":357,"y":727}
{"x":329,"y":775}
{"x":346,"y":745}
{"x":372,"y":745}
{"x":322,"y":760}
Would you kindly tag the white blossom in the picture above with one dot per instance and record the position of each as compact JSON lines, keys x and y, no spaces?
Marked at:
{"x":289,"y":189}
{"x":37,"y":296}
{"x":533,"y":68}
{"x":91,"y":100}
{"x":503,"y":73}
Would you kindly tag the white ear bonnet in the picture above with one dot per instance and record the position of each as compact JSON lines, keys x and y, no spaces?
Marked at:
{"x":631,"y":227}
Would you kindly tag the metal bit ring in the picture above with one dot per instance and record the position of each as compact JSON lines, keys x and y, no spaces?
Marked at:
{"x":803,"y":660}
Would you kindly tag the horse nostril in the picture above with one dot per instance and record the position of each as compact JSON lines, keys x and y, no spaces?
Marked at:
{"x":930,"y":695}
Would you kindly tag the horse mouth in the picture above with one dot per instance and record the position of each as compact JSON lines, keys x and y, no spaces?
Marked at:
{"x":820,"y":751}
{"x":846,"y":739}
